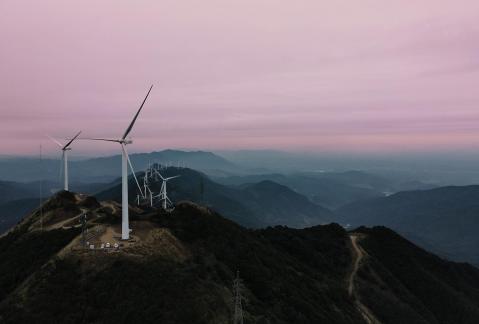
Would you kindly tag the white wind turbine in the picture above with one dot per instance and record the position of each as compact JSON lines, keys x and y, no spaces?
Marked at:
{"x":65,"y":148}
{"x":125,"y":161}
{"x":163,"y":195}
{"x":147,"y":189}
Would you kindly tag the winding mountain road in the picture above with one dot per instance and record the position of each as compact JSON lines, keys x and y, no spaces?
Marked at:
{"x":358,"y":256}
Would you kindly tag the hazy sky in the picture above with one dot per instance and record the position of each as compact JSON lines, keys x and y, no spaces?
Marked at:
{"x":306,"y":75}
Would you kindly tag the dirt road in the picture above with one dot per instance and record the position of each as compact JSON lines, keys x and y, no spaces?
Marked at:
{"x":357,"y":259}
{"x":358,"y":256}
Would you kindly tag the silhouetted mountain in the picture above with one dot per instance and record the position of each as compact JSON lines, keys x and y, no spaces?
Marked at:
{"x":444,"y":219}
{"x":257,"y":205}
{"x":12,"y":211}
{"x":331,"y":190}
{"x":106,"y":169}
{"x":356,"y":179}
{"x":414,"y":185}
{"x":179,"y":268}
{"x":13,"y":191}
{"x":110,"y":166}
{"x":276,"y":204}
{"x":376,"y":184}
{"x":16,"y":199}
{"x":438,"y":169}
{"x":401,"y":283}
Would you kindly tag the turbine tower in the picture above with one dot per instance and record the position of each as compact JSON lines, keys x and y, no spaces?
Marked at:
{"x":65,"y":148}
{"x":163,"y":195}
{"x":125,"y":161}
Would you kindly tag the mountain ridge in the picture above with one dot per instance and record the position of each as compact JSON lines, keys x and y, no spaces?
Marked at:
{"x":190,"y":257}
{"x":106,"y":169}
{"x":443,"y":218}
{"x":247,"y":206}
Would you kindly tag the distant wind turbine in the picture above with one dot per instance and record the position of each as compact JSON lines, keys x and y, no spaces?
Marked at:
{"x":125,"y":161}
{"x":65,"y":148}
{"x":163,"y":195}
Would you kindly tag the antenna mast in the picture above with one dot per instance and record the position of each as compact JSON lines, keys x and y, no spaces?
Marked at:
{"x":238,"y":314}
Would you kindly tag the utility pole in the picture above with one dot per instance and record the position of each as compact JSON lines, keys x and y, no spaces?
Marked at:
{"x":238,"y":314}
{"x":41,"y":189}
{"x":83,"y":220}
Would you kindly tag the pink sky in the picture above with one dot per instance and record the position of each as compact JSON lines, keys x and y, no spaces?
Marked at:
{"x":305,"y":75}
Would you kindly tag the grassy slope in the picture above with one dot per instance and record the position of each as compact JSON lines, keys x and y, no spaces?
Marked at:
{"x":289,"y":275}
{"x":402,"y":283}
{"x":281,"y":284}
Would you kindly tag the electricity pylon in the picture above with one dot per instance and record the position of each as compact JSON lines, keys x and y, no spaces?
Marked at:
{"x":83,"y":220}
{"x":238,"y":314}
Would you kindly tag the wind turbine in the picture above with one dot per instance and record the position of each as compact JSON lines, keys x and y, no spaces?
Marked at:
{"x":147,"y":189}
{"x":163,"y":196}
{"x":65,"y":148}
{"x":125,"y":161}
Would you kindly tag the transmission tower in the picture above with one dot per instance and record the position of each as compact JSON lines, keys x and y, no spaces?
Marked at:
{"x":83,"y":220}
{"x":238,"y":314}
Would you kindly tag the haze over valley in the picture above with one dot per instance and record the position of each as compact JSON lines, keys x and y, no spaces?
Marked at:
{"x":255,"y":195}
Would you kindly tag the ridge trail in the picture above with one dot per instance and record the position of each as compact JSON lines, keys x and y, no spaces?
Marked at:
{"x":358,"y":256}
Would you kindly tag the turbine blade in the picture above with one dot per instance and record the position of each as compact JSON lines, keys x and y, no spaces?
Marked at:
{"x":128,"y":130}
{"x":101,"y":139}
{"x":158,"y":173}
{"x":71,"y":141}
{"x":172,"y":177}
{"x":55,"y":141}
{"x":132,"y":170}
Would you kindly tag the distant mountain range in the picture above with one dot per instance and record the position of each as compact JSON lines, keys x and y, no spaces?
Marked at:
{"x":261,"y":204}
{"x":296,"y":200}
{"x":444,"y":220}
{"x":12,"y":211}
{"x":106,"y":169}
{"x":179,"y":268}
{"x":12,"y":191}
{"x":329,"y":189}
